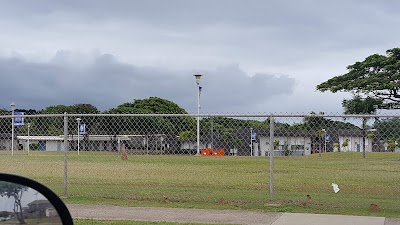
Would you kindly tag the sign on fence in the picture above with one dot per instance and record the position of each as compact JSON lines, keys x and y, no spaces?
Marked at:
{"x":327,"y":138}
{"x":18,"y":121}
{"x":82,"y":129}
{"x":253,"y":136}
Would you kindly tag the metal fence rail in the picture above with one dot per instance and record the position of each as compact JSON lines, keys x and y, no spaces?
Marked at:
{"x":151,"y":157}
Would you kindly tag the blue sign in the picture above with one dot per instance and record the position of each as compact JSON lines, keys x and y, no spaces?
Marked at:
{"x":82,"y":128}
{"x":327,"y":138}
{"x":253,"y":136}
{"x":18,"y":121}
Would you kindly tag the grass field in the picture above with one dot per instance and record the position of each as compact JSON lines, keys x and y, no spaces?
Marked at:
{"x":221,"y":182}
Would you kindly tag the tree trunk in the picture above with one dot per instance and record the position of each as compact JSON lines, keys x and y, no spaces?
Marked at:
{"x":18,"y":213}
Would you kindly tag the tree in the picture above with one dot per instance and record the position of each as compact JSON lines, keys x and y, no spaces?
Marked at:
{"x":359,"y":105}
{"x":82,"y":108}
{"x":391,"y":144}
{"x":377,"y":77}
{"x":14,"y":190}
{"x":4,"y":214}
{"x":336,"y":146}
{"x":55,"y":126}
{"x":345,"y":144}
{"x":5,"y":126}
{"x":388,"y":128}
{"x":144,"y":125}
{"x":187,"y":136}
{"x":276,"y":144}
{"x":152,"y":105}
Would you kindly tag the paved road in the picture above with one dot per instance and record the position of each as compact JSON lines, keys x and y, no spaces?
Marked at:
{"x":219,"y":216}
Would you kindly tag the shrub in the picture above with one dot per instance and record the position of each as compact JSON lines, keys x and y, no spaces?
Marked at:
{"x":34,"y":146}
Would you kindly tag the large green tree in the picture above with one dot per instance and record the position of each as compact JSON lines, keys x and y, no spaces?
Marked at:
{"x":376,"y":77}
{"x":359,"y":105}
{"x":76,"y":108}
{"x":55,"y":126}
{"x":152,"y":105}
{"x":388,"y":128}
{"x":8,"y":189}
{"x":148,"y":124}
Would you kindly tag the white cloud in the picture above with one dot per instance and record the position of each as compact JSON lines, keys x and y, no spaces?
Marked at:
{"x":281,"y":49}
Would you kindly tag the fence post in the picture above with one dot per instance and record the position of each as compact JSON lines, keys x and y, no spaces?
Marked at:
{"x":65,"y":154}
{"x":271,"y":158}
{"x":364,"y":124}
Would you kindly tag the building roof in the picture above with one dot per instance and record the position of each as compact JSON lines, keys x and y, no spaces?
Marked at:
{"x":89,"y":137}
{"x":39,"y":202}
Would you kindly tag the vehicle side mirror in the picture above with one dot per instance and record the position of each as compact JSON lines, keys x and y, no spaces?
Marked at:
{"x":25,"y":201}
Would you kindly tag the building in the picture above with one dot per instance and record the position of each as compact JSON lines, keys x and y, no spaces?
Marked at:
{"x":296,"y":143}
{"x":96,"y":142}
{"x":39,"y":207}
{"x":237,"y":142}
{"x":5,"y":141}
{"x":354,"y":140}
{"x":51,"y":212}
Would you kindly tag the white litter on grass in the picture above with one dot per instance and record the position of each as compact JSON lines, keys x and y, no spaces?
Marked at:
{"x":335,"y":188}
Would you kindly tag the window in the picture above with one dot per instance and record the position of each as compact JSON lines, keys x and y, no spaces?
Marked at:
{"x":297,"y":147}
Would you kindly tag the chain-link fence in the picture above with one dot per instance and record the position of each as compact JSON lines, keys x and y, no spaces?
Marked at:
{"x":151,"y":159}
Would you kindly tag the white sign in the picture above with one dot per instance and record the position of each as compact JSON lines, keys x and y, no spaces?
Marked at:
{"x":253,"y":136}
{"x":82,"y":128}
{"x":18,"y":121}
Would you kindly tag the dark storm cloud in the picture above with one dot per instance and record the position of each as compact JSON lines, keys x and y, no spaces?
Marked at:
{"x":160,"y":42}
{"x":105,"y":82}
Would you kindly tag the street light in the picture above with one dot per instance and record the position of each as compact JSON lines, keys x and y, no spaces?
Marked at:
{"x":29,"y":126}
{"x":251,"y":141}
{"x":198,"y":77}
{"x":12,"y":127}
{"x":79,"y":124}
{"x":324,"y":139}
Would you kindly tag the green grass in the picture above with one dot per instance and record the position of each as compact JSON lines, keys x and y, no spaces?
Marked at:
{"x":47,"y":221}
{"x":221,"y":182}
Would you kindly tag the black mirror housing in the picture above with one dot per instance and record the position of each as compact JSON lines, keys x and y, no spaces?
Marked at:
{"x":21,"y":184}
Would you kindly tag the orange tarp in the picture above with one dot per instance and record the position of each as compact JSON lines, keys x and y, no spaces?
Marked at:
{"x":219,"y":152}
{"x":206,"y":151}
{"x":210,"y":151}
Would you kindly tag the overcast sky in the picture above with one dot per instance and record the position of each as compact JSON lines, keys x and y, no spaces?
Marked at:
{"x":256,"y":56}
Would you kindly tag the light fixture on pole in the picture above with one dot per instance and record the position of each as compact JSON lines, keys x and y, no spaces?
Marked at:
{"x":29,"y":126}
{"x":324,"y":139}
{"x":251,"y":141}
{"x":198,"y":77}
{"x":12,"y":127}
{"x":79,"y":125}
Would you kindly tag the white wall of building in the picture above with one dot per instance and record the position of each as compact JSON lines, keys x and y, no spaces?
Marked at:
{"x":294,"y":144}
{"x":53,"y":145}
{"x":355,"y":144}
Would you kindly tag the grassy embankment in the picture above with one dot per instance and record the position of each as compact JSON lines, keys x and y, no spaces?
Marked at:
{"x":221,"y":182}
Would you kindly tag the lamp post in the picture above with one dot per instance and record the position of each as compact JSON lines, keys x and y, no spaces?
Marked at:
{"x":29,"y":126}
{"x":251,"y":141}
{"x":12,"y":127}
{"x":198,"y":77}
{"x":324,"y":139}
{"x":79,"y":124}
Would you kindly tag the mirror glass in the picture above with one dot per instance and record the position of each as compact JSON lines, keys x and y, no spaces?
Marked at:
{"x":20,"y":204}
